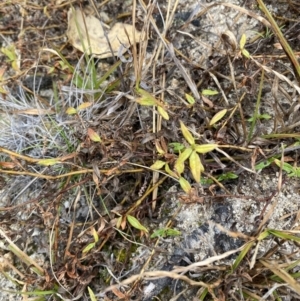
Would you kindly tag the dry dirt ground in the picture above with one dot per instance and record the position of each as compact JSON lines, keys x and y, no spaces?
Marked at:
{"x":52,"y":219}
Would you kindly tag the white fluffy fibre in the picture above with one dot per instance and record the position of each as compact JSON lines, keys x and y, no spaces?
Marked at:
{"x":39,"y":136}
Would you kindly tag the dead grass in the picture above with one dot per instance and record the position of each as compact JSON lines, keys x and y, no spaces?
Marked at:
{"x":79,"y":190}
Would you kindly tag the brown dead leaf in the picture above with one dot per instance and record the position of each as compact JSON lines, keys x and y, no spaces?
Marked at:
{"x":86,"y":34}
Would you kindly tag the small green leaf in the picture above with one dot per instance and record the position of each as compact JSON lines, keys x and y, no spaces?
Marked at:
{"x":243,"y":41}
{"x":10,"y":52}
{"x":184,"y":155}
{"x":209,"y":92}
{"x":243,"y":253}
{"x":190,"y":99}
{"x":84,"y":106}
{"x":165,"y":232}
{"x":144,"y":101}
{"x":246,"y":53}
{"x":172,"y":232}
{"x":170,"y":172}
{"x":147,"y":99}
{"x":204,"y":148}
{"x":227,"y":176}
{"x":179,"y":164}
{"x":71,"y":111}
{"x":48,"y":162}
{"x":263,"y":235}
{"x":285,"y":166}
{"x":158,"y":233}
{"x":179,"y":167}
{"x":163,"y":113}
{"x":196,"y":166}
{"x":95,"y":235}
{"x":218,"y":117}
{"x":177,"y":147}
{"x":262,"y":116}
{"x":135,"y":223}
{"x":92,"y":295}
{"x":89,"y":247}
{"x":93,"y":135}
{"x":158,"y":164}
{"x":264,"y":164}
{"x":187,"y":135}
{"x":185,"y":185}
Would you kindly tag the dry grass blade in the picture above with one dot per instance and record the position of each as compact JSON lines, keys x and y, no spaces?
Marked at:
{"x":175,"y":273}
{"x":170,"y":49}
{"x":288,"y":50}
{"x":286,"y":277}
{"x":279,"y":75}
{"x":21,"y":255}
{"x":89,"y":205}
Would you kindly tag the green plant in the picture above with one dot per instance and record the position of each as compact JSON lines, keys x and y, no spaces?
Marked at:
{"x":186,"y":153}
{"x":292,"y":171}
{"x":164,"y":232}
{"x":261,"y":117}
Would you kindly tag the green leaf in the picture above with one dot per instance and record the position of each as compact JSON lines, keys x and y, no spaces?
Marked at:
{"x":93,"y":135}
{"x":48,"y":162}
{"x":246,"y":53}
{"x":158,"y":233}
{"x":190,"y":99}
{"x":158,"y":164}
{"x":227,"y":176}
{"x":84,"y":106}
{"x":209,"y":92}
{"x":284,"y":235}
{"x":89,"y":247}
{"x":179,"y":167}
{"x":196,"y":166}
{"x":185,"y":185}
{"x":218,"y":117}
{"x":263,"y":235}
{"x":95,"y":235}
{"x":165,"y":232}
{"x":145,"y":101}
{"x":184,"y":155}
{"x":146,"y":98}
{"x":262,"y":116}
{"x":10,"y":52}
{"x":285,"y":166}
{"x":242,"y":255}
{"x":179,"y":164}
{"x":170,"y":172}
{"x":177,"y":147}
{"x":135,"y":223}
{"x":163,"y":113}
{"x":204,"y":148}
{"x":187,"y":135}
{"x":92,"y":295}
{"x":243,"y":41}
{"x":264,"y":164}
{"x":71,"y":111}
{"x":172,"y":232}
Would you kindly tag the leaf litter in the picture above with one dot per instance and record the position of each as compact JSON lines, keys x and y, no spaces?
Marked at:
{"x":89,"y":35}
{"x":106,"y":181}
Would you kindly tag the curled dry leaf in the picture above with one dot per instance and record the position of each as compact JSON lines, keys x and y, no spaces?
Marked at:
{"x":86,"y":34}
